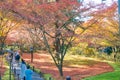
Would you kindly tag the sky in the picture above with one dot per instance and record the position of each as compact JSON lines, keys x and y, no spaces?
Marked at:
{"x":108,"y":2}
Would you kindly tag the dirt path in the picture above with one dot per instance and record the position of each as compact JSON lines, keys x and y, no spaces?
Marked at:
{"x":44,"y":62}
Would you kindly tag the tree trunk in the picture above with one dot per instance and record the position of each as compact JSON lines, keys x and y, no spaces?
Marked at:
{"x":60,"y":70}
{"x":31,"y":57}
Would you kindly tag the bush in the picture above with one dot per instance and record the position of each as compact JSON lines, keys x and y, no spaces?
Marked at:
{"x":75,"y":50}
{"x":108,"y":50}
{"x":89,"y":52}
{"x":116,"y":57}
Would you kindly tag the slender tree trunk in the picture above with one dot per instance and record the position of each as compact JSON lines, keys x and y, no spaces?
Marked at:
{"x":60,"y":70}
{"x":31,"y":57}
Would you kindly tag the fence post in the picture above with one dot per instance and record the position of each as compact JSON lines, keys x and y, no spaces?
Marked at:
{"x":50,"y":78}
{"x":0,"y":77}
{"x":33,"y":68}
{"x":15,"y":71}
{"x":18,"y":76}
{"x":40,"y":74}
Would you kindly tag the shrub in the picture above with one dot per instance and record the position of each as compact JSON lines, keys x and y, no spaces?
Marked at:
{"x":89,"y":51}
{"x":75,"y":50}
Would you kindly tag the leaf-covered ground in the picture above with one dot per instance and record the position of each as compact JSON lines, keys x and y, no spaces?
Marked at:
{"x":77,"y":68}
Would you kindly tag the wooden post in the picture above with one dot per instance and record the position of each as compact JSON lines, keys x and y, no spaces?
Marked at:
{"x":33,"y":68}
{"x":50,"y":78}
{"x":18,"y":76}
{"x":15,"y":71}
{"x":0,"y":77}
{"x":40,"y":74}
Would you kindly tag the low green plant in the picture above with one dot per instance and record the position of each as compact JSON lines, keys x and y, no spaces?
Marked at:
{"x":115,"y":75}
{"x":47,"y":77}
{"x":89,"y":51}
{"x":6,"y":75}
{"x":75,"y":50}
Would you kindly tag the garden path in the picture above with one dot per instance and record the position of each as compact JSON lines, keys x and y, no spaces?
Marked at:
{"x":16,"y":70}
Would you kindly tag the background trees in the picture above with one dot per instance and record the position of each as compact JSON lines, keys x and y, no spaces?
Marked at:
{"x":7,"y":24}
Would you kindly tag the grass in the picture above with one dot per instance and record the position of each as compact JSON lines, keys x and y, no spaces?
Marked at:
{"x":6,"y":73}
{"x":71,"y":60}
{"x":79,"y":60}
{"x":115,"y":75}
{"x":6,"y":76}
{"x":47,"y":76}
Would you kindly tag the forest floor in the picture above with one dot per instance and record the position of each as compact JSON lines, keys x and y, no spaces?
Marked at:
{"x":74,"y":66}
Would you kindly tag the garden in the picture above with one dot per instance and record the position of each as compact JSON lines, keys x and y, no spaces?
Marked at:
{"x":61,"y":38}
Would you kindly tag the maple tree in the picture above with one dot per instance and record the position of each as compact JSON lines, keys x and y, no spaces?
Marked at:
{"x":111,"y":28}
{"x":33,"y":36}
{"x":56,"y":22}
{"x":106,"y":31}
{"x":107,"y":25}
{"x":7,"y":24}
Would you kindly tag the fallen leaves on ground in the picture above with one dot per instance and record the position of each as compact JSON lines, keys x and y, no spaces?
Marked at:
{"x":44,"y":62}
